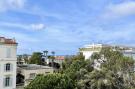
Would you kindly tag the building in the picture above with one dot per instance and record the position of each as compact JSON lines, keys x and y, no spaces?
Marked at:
{"x":88,"y":50}
{"x":57,"y":59}
{"x":8,"y":60}
{"x":23,"y":59}
{"x":29,"y":72}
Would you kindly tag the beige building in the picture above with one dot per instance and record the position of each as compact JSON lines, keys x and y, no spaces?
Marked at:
{"x":30,"y":71}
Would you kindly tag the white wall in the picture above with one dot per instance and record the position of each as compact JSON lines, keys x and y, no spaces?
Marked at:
{"x":87,"y":54}
{"x":12,"y":60}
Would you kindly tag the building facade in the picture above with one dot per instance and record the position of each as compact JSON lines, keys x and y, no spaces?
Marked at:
{"x":8,"y":60}
{"x":30,"y":71}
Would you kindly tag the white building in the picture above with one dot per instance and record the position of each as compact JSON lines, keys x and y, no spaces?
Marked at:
{"x":8,"y":59}
{"x":88,"y":50}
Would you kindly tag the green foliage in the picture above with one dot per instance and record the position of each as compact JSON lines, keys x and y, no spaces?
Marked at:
{"x":79,"y":56}
{"x":95,"y":56}
{"x":51,"y":81}
{"x":116,"y":61}
{"x":104,"y":79}
{"x":36,"y":58}
{"x":74,"y":67}
{"x":70,"y":59}
{"x":78,"y":73}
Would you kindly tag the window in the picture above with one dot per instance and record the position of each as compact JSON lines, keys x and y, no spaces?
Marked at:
{"x":7,"y":81}
{"x":7,"y":67}
{"x":8,"y":52}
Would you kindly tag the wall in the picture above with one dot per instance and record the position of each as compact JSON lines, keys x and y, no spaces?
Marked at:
{"x":3,"y":60}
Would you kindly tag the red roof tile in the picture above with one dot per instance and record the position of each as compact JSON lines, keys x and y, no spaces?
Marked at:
{"x":7,"y":41}
{"x":59,"y":58}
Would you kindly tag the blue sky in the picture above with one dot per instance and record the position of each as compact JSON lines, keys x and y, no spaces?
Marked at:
{"x":65,"y":25}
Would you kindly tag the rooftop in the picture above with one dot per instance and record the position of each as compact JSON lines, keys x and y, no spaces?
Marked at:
{"x":4,"y":40}
{"x":59,"y":57}
{"x":33,"y":67}
{"x":95,"y":47}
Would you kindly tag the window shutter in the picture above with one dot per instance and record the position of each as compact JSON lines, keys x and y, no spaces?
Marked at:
{"x":4,"y":67}
{"x":3,"y":82}
{"x":11,"y":81}
{"x":11,"y":67}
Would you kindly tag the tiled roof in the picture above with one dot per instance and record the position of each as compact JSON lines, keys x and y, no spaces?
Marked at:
{"x":60,"y":57}
{"x":7,"y":41}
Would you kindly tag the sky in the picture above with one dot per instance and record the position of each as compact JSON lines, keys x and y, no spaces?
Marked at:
{"x":64,"y":26}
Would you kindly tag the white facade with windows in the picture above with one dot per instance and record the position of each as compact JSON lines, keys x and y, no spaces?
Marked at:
{"x":7,"y":63}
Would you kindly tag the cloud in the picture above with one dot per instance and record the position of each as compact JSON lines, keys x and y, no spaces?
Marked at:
{"x":38,"y":26}
{"x":6,"y":5}
{"x":120,"y":10}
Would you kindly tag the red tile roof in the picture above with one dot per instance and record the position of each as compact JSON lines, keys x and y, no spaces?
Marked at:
{"x":59,"y":58}
{"x":7,"y":41}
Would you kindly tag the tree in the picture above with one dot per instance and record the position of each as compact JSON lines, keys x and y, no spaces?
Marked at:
{"x":70,"y":59}
{"x":77,"y":73}
{"x":51,"y":81}
{"x":118,"y":63}
{"x":95,"y":56}
{"x":36,"y":58}
{"x":104,"y":79}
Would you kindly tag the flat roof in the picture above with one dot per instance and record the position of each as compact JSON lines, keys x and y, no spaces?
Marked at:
{"x":33,"y":67}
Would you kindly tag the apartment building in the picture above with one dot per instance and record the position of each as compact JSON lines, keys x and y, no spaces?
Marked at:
{"x":8,"y":60}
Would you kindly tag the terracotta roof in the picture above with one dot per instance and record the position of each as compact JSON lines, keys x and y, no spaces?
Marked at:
{"x":7,"y":41}
{"x":59,"y":58}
